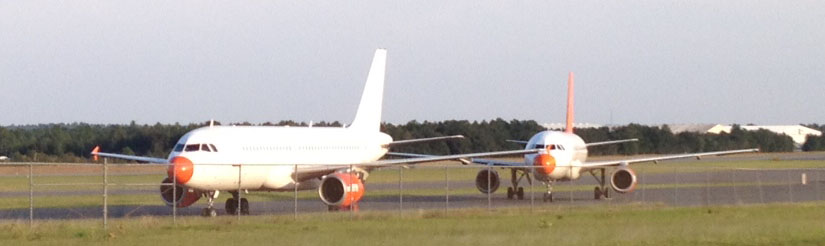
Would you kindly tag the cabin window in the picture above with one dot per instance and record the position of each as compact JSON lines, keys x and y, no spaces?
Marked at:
{"x":192,"y":147}
{"x":178,"y":147}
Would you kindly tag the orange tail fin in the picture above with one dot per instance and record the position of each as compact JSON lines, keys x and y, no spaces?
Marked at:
{"x":569,"y":127}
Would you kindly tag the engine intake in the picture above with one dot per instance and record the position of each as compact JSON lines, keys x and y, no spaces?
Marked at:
{"x":184,"y":196}
{"x":623,"y":180}
{"x":341,"y":189}
{"x":487,"y":181}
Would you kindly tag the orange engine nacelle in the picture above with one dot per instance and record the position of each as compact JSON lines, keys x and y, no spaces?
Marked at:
{"x":183,"y":195}
{"x":623,"y":180}
{"x":341,"y":189}
{"x":544,"y":163}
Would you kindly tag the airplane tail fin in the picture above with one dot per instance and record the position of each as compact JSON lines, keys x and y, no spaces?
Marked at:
{"x":569,"y":127}
{"x":368,"y":117}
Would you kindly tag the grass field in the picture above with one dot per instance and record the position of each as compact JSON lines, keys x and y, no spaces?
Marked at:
{"x":775,"y":224}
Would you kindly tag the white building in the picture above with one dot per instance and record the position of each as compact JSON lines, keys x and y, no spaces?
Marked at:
{"x":797,"y":132}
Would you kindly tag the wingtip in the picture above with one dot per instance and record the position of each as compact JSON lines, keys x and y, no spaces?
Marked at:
{"x":95,"y":152}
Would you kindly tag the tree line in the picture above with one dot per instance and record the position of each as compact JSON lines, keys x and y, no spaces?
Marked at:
{"x":815,"y":143}
{"x":73,"y":142}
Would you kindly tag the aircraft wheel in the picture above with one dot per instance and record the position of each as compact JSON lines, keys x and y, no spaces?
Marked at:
{"x":231,"y":206}
{"x":548,"y":197}
{"x":244,"y":206}
{"x":333,"y":208}
{"x":510,"y":193}
{"x":597,"y":193}
{"x":520,"y":193}
{"x":209,"y":212}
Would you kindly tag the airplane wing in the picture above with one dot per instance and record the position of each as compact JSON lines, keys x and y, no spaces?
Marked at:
{"x":662,"y":158}
{"x":306,"y":172}
{"x":96,"y":152}
{"x":516,"y":141}
{"x":419,"y":140}
{"x":497,"y":163}
{"x":611,"y":142}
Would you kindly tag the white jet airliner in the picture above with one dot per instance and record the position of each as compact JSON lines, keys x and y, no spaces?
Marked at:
{"x":564,"y":160}
{"x":335,"y":160}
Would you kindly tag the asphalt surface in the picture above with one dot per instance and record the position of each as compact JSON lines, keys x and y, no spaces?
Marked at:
{"x":702,"y":188}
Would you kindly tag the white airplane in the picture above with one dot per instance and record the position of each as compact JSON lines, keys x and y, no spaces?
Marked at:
{"x":335,"y":160}
{"x":564,"y":160}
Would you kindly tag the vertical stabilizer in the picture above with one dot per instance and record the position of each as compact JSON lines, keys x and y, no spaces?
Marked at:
{"x":569,"y":127}
{"x":368,"y":117}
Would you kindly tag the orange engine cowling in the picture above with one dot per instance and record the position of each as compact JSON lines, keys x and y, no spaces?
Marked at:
{"x":341,"y":189}
{"x":183,"y":195}
{"x":623,"y":180}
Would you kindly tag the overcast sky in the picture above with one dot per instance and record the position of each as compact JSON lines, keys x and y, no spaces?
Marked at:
{"x":647,"y":62}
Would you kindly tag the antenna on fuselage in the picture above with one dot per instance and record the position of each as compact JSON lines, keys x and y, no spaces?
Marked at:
{"x":569,"y":127}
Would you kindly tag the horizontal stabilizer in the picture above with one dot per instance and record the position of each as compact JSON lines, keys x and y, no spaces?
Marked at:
{"x":421,"y":140}
{"x":611,"y":142}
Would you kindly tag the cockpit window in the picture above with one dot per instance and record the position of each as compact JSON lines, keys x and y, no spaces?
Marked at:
{"x":192,"y":147}
{"x":539,"y":146}
{"x":196,"y":147}
{"x":178,"y":147}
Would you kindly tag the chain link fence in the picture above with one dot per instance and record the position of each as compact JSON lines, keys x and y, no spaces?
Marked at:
{"x":49,"y":191}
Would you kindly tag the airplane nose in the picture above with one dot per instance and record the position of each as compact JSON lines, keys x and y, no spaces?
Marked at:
{"x":181,"y":168}
{"x":545,"y":163}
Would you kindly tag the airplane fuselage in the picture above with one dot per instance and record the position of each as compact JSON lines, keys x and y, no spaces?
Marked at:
{"x":568,"y":151}
{"x":266,"y":157}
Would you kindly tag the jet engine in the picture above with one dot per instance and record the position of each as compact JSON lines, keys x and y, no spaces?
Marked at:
{"x":183,"y":195}
{"x":341,"y":189}
{"x":623,"y":180}
{"x":487,"y":181}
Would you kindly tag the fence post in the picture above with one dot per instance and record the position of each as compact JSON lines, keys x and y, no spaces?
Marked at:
{"x":31,"y":196}
{"x":105,"y":194}
{"x":759,"y":181}
{"x":447,"y":189}
{"x":238,"y":211}
{"x":733,"y":183}
{"x":532,"y":189}
{"x":676,"y":186}
{"x":174,"y":193}
{"x":489,"y":192}
{"x":400,"y":189}
{"x":707,"y":188}
{"x":296,"y":192}
{"x":790,"y":186}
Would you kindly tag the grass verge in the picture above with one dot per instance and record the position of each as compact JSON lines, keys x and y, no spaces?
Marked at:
{"x":795,"y":224}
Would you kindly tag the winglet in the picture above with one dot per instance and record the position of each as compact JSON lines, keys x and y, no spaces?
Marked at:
{"x":368,"y":116}
{"x":94,"y":152}
{"x":569,"y":127}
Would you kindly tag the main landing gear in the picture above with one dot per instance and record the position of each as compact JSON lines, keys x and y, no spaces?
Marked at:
{"x":232,"y":204}
{"x":601,"y":191}
{"x":209,"y":210}
{"x":516,"y":175}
